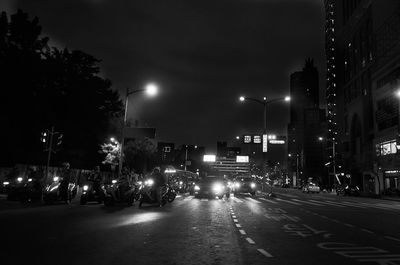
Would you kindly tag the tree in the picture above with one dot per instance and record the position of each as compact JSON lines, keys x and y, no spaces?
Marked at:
{"x":139,"y":153}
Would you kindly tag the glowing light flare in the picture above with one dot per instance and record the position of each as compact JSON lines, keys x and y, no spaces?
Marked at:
{"x":151,"y":89}
{"x":140,"y":218}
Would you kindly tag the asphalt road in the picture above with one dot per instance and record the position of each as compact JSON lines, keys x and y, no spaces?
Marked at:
{"x":292,"y":228}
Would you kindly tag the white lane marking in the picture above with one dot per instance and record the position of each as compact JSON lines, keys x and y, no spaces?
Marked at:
{"x":238,"y":225}
{"x":252,"y":200}
{"x":295,"y":203}
{"x":367,"y":231}
{"x":242,"y":231}
{"x":392,"y":238}
{"x":204,"y":200}
{"x":250,"y":240}
{"x":348,"y":225}
{"x":233,"y":216}
{"x":237,"y":200}
{"x":235,"y":220}
{"x":311,"y":203}
{"x":330,"y":204}
{"x":268,"y":200}
{"x":265,"y":253}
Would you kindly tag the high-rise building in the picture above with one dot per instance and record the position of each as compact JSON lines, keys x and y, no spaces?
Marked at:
{"x":306,"y":125}
{"x":362,"y":49}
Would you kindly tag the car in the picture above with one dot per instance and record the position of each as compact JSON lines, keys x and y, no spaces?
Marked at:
{"x":211,"y":186}
{"x":244,"y":184}
{"x":311,"y":187}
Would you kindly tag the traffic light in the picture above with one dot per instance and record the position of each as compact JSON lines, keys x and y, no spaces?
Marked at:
{"x":43,"y":137}
{"x":59,"y":139}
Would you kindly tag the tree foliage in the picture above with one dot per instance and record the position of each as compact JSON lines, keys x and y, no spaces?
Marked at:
{"x":43,"y":86}
{"x":139,"y":154}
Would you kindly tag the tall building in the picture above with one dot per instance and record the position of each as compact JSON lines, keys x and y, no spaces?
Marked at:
{"x":362,"y":55}
{"x":306,"y":125}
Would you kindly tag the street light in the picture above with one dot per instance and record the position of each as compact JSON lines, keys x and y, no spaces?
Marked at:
{"x":151,"y":89}
{"x":264,"y":102}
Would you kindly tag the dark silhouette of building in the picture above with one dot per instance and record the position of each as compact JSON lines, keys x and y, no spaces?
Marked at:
{"x":307,"y":122}
{"x":223,"y":150}
{"x":364,"y":65}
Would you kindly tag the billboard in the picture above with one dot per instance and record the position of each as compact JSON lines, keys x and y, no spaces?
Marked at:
{"x":247,"y":139}
{"x":265,"y":143}
{"x":257,"y":139}
{"x":209,"y":158}
{"x":242,"y":159}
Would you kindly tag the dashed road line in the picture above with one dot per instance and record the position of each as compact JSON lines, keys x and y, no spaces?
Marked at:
{"x":238,"y":226}
{"x":252,"y":200}
{"x":367,"y":231}
{"x":265,"y":253}
{"x":392,"y":238}
{"x":295,"y":203}
{"x":270,"y":201}
{"x":235,"y":220}
{"x":242,"y":231}
{"x":251,"y":241}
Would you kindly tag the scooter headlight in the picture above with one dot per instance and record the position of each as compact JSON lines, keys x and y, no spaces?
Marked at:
{"x":217,"y":188}
{"x":196,"y":187}
{"x":149,"y":182}
{"x":237,"y":185}
{"x":252,"y":185}
{"x":5,"y":183}
{"x":56,"y":178}
{"x":114,"y":181}
{"x":29,"y":180}
{"x":19,"y":179}
{"x":180,"y":182}
{"x":85,"y":187}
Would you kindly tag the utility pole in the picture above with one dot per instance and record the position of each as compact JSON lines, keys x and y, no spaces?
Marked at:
{"x":50,"y":145}
{"x":186,"y":156}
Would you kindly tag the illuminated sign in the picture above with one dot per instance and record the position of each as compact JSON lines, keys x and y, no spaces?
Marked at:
{"x":247,"y":139}
{"x":242,"y":159}
{"x":276,"y":141}
{"x":265,"y":143}
{"x":209,"y":158}
{"x":257,"y":139}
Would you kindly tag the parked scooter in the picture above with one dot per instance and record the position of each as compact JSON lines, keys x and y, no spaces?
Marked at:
{"x":148,"y":194}
{"x":120,"y":192}
{"x":92,"y":191}
{"x":31,"y":191}
{"x":56,"y":192}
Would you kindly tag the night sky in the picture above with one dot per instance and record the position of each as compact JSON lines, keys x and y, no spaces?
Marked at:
{"x":203,"y":54}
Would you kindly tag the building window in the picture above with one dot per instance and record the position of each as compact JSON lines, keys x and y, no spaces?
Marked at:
{"x":167,"y":149}
{"x":387,"y":148}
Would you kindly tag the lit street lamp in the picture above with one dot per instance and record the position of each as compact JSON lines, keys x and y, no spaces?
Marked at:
{"x":264,"y":102}
{"x":151,"y":89}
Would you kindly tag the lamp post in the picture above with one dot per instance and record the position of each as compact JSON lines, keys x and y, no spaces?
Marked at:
{"x":151,"y":89}
{"x":333,"y":142}
{"x":264,"y":102}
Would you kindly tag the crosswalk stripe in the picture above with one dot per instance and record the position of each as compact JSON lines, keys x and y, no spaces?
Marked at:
{"x":270,"y":201}
{"x":349,"y":204}
{"x":237,"y":200}
{"x":252,"y":200}
{"x":295,"y":203}
{"x":311,"y":203}
{"x":330,"y":204}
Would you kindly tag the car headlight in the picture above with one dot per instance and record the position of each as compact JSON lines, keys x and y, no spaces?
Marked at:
{"x":149,"y":182}
{"x":85,"y":187}
{"x":237,"y":184}
{"x":19,"y":179}
{"x":113,"y":181}
{"x":56,"y":178}
{"x":196,"y":187}
{"x":29,"y":180}
{"x":140,"y":183}
{"x":252,"y":185}
{"x":6,"y":183}
{"x":357,"y":188}
{"x":217,"y":188}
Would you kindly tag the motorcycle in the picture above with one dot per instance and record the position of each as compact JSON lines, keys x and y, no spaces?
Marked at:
{"x":31,"y":191}
{"x":92,"y":191}
{"x":54,"y":192}
{"x":119,"y":192}
{"x":148,"y":194}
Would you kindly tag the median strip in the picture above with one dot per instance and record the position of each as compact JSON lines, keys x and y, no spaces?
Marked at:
{"x":250,"y":240}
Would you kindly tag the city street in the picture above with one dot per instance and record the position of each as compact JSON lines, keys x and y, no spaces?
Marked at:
{"x":313,"y":228}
